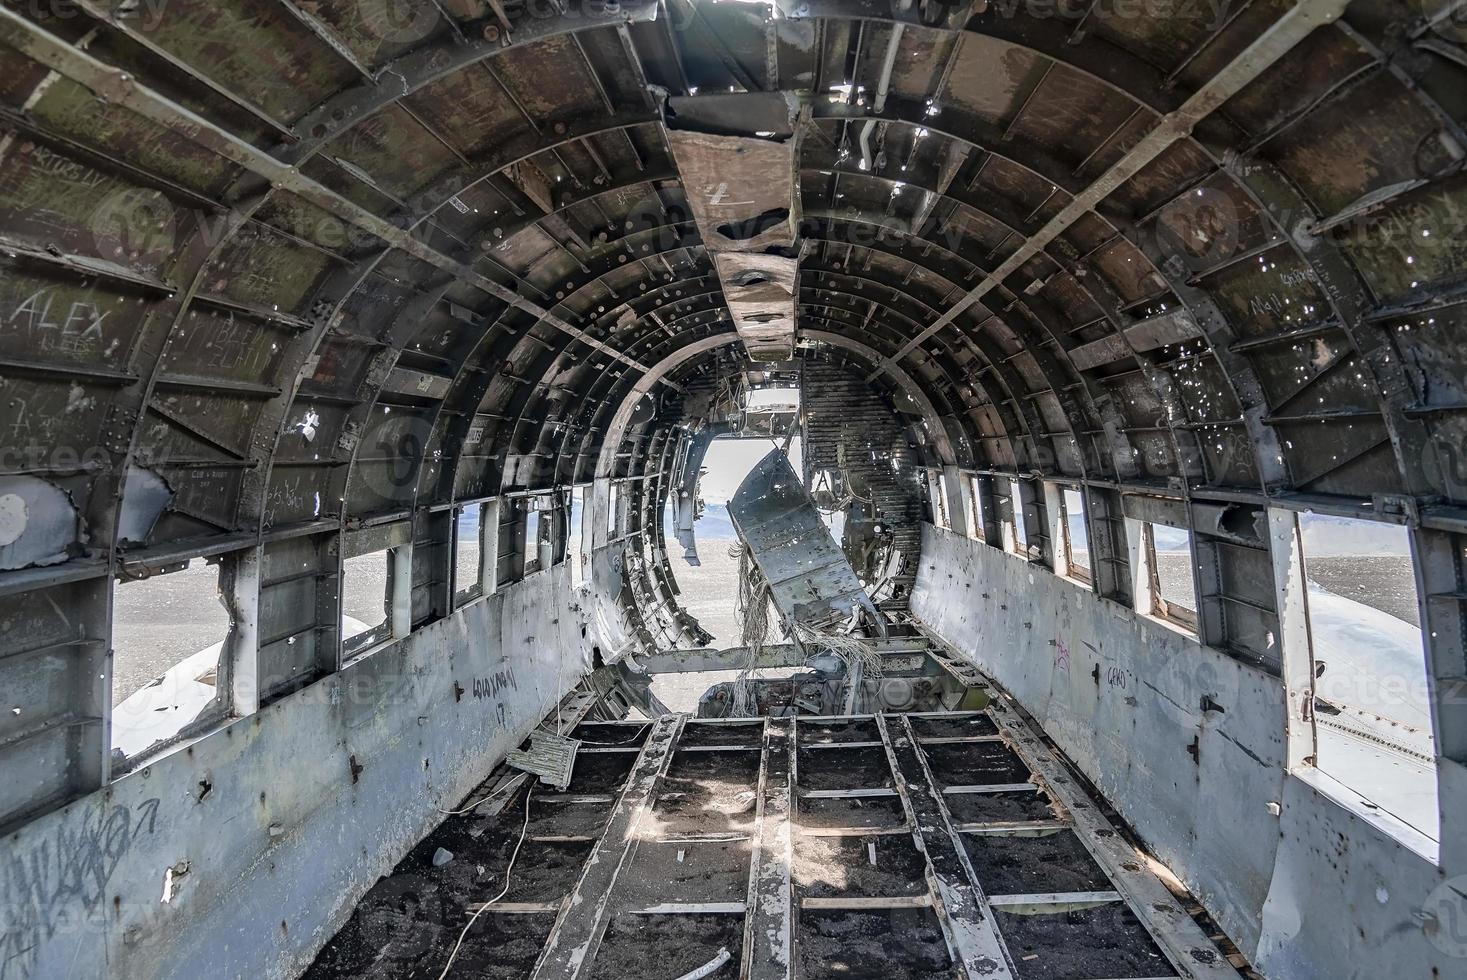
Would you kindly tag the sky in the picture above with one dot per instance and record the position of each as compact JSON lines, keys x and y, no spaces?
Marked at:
{"x":730,"y":460}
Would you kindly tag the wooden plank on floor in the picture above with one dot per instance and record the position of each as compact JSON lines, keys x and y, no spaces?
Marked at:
{"x":991,"y":788}
{"x":694,"y":837}
{"x":1178,"y":935}
{"x":845,"y":794}
{"x":571,"y":946}
{"x":962,"y":910}
{"x":854,"y":831}
{"x":609,"y":749}
{"x":692,"y":908}
{"x":519,"y":908}
{"x":1058,"y":901}
{"x":864,"y":904}
{"x":769,"y":925}
{"x":1012,"y":828}
{"x":720,"y":748}
{"x":959,"y":739}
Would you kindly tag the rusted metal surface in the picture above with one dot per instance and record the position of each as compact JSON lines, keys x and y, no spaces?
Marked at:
{"x":760,"y":293}
{"x":274,"y":270}
{"x":737,"y":160}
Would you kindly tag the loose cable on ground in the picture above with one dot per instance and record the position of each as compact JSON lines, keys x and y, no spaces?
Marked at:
{"x":640,"y":731}
{"x":709,"y":968}
{"x":514,"y":783}
{"x":508,"y":871}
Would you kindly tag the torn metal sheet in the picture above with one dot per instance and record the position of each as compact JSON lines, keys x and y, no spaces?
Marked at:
{"x":736,"y":155}
{"x":810,"y":580}
{"x":1173,"y":327}
{"x":550,"y":756}
{"x":685,"y":500}
{"x":760,"y":293}
{"x":146,"y":497}
{"x":38,"y":524}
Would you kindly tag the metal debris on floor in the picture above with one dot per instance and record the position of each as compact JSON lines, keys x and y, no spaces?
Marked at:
{"x":893,"y":846}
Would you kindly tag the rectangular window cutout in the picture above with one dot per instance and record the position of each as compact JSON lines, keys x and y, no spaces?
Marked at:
{"x":613,"y":510}
{"x":1077,"y":534}
{"x":168,"y":634}
{"x":532,"y":538}
{"x":1372,"y":706}
{"x":772,"y":399}
{"x":366,"y":600}
{"x":1173,"y":585}
{"x":468,"y":551}
{"x":1020,"y":533}
{"x":977,"y":526}
{"x":937,"y":491}
{"x":575,"y":548}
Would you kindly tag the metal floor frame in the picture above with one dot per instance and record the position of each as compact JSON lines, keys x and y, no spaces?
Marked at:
{"x":942,"y":781}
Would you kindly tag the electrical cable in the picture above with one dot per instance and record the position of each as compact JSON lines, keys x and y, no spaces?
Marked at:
{"x":752,"y":614}
{"x":709,"y":968}
{"x":641,"y":730}
{"x":513,"y":784}
{"x":508,"y":871}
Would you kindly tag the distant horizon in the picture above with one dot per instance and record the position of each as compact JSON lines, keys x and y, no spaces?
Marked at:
{"x":1325,"y":536}
{"x":729,"y":460}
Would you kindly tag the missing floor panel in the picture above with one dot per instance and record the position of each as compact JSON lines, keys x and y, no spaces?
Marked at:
{"x":889,"y":847}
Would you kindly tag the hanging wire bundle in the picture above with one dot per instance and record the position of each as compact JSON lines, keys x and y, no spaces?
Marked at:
{"x":753,"y":617}
{"x":858,"y":656}
{"x":861,"y":661}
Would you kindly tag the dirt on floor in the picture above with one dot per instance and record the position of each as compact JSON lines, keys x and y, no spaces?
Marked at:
{"x":686,"y":872}
{"x":889,"y":944}
{"x":695,"y":847}
{"x":975,"y":764}
{"x":750,"y":734}
{"x":851,"y":811}
{"x":1108,"y":941}
{"x":663,"y":947}
{"x":1055,"y":862}
{"x":563,"y":819}
{"x":999,"y":807}
{"x":876,"y":866}
{"x":832,"y":732}
{"x":601,"y":772}
{"x":965,"y":726}
{"x":844,"y":768}
{"x":707,"y":793}
{"x":408,"y":922}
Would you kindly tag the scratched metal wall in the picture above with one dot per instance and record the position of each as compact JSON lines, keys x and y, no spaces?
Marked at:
{"x":278,"y":275}
{"x":283,"y":820}
{"x":1313,"y":892}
